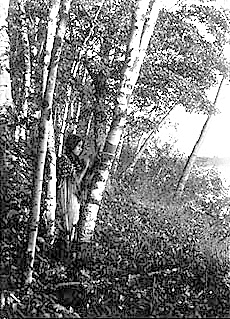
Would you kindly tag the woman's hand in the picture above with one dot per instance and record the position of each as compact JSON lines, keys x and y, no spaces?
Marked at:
{"x":87,"y":161}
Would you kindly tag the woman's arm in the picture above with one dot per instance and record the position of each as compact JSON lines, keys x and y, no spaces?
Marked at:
{"x":83,"y":172}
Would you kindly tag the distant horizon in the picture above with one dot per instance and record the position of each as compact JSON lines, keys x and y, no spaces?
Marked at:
{"x":214,"y":156}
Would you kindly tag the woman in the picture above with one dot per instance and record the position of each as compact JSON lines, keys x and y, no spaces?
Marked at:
{"x":70,"y":172}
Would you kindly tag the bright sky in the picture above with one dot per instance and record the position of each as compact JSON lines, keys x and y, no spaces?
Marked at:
{"x":188,"y":129}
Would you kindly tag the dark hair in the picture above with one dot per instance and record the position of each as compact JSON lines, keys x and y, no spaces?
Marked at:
{"x":71,"y":142}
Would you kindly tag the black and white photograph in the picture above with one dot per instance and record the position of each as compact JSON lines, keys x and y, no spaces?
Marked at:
{"x":114,"y":159}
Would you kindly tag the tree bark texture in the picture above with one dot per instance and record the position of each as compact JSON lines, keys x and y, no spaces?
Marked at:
{"x":5,"y":99}
{"x":46,"y":118}
{"x":5,"y":83}
{"x":141,"y":31}
{"x":118,"y":154}
{"x":51,"y":186}
{"x":51,"y":183}
{"x":51,"y":29}
{"x":192,"y":158}
{"x":20,"y":131}
{"x":26,"y":50}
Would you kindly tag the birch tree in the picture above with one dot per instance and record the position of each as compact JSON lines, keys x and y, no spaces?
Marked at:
{"x":21,"y":131}
{"x":5,"y":83}
{"x":46,"y":119}
{"x":192,"y":157}
{"x":118,"y":154}
{"x":141,"y":31}
{"x":51,"y":187}
{"x":5,"y":93}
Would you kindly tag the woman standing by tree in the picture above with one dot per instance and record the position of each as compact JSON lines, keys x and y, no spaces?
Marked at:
{"x":70,"y":171}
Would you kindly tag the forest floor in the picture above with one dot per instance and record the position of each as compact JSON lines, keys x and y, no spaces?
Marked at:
{"x":151,"y":256}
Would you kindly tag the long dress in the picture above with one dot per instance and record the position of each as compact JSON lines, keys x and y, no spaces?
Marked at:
{"x":69,"y":192}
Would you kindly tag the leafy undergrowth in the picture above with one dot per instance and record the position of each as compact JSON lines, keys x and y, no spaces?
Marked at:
{"x":155,"y":263}
{"x":151,"y":256}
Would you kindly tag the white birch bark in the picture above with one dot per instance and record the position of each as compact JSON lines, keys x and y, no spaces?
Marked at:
{"x":27,"y":69}
{"x":5,"y":93}
{"x":117,"y":155}
{"x":141,"y":31}
{"x":51,"y":187}
{"x":46,"y":118}
{"x":89,"y":124}
{"x":51,"y":29}
{"x":62,"y":132}
{"x":20,"y":131}
{"x":5,"y":83}
{"x":192,"y":157}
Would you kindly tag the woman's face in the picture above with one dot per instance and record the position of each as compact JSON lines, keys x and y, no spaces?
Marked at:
{"x":78,"y":148}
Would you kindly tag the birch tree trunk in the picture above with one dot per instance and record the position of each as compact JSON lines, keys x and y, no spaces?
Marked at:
{"x":21,"y":131}
{"x":52,"y":161}
{"x":144,"y":144}
{"x":192,"y":158}
{"x":5,"y":134}
{"x":51,"y":187}
{"x":118,"y":154}
{"x":5,"y":83}
{"x":51,"y":29}
{"x":46,"y":119}
{"x":62,"y":132}
{"x":5,"y":95}
{"x":141,"y":31}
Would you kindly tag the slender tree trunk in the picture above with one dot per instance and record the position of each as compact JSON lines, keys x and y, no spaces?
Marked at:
{"x":5,"y":102}
{"x":5,"y":83}
{"x":63,"y":128}
{"x":192,"y":158}
{"x":51,"y":29}
{"x":118,"y":154}
{"x":51,"y":183}
{"x":89,"y":124}
{"x":5,"y":95}
{"x":46,"y":118}
{"x":143,"y":146}
{"x":21,"y":131}
{"x":51,"y":187}
{"x":141,"y":31}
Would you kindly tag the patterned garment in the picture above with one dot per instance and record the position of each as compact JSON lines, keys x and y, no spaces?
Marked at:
{"x":70,"y":169}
